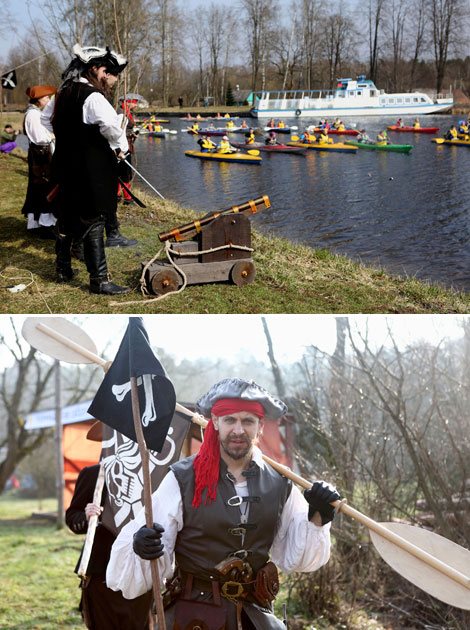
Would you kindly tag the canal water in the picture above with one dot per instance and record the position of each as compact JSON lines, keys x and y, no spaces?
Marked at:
{"x":407,"y":213}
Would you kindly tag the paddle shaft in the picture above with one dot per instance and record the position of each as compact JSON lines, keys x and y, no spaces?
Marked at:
{"x":92,"y":523}
{"x":450,"y":572}
{"x":72,"y":345}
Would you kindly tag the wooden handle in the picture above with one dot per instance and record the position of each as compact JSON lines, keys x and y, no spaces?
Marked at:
{"x":92,"y":524}
{"x":71,"y":344}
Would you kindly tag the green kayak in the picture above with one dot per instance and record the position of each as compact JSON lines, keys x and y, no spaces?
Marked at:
{"x":398,"y":148}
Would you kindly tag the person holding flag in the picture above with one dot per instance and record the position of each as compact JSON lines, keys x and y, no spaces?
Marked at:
{"x":225,"y":520}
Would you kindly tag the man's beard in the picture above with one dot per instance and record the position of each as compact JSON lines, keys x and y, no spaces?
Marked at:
{"x":236,"y":454}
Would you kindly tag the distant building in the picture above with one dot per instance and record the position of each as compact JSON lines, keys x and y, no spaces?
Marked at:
{"x":243,"y":96}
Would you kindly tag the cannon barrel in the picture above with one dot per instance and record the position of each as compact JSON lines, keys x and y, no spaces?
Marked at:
{"x":189,"y":229}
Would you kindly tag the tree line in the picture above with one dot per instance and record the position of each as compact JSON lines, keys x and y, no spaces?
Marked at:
{"x":176,"y":50}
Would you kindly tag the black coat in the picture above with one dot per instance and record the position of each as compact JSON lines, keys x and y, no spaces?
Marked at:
{"x":77,"y":522}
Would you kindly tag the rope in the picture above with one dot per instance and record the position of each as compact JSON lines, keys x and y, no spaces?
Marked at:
{"x":27,"y":277}
{"x":168,"y":252}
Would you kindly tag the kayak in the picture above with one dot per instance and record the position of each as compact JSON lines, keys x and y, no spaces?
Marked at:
{"x":162,"y":133}
{"x":413,"y":130}
{"x":208,"y":132}
{"x":280,"y":129}
{"x":397,"y":148}
{"x":275,"y":148}
{"x":345,"y":132}
{"x":318,"y":146}
{"x":157,"y":120}
{"x":243,"y":158}
{"x":193,"y":119}
{"x":458,"y":143}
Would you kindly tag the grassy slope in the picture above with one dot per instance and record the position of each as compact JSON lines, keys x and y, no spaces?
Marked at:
{"x":290,"y":278}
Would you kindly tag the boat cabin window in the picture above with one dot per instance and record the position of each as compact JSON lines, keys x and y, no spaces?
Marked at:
{"x":372,"y":93}
{"x":351,"y":93}
{"x":359,"y":92}
{"x":399,"y":100}
{"x":423,"y":100}
{"x":407,"y":100}
{"x":391,"y":101}
{"x":415,"y":99}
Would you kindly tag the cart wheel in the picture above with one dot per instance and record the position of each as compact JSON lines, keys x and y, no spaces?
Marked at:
{"x":164,"y":281}
{"x":242,"y":272}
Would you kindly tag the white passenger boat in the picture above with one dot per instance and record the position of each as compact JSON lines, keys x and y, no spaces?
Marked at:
{"x":349,"y":98}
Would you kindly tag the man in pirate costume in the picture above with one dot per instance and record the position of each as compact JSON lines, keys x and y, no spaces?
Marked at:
{"x":36,"y":208}
{"x":101,"y":608}
{"x":222,"y":515}
{"x":89,"y":141}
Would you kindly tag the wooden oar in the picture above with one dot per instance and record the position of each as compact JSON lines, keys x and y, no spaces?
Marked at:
{"x":431,"y":562}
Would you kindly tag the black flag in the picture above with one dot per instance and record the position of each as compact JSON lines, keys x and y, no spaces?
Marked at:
{"x":112,"y":403}
{"x":123,"y":471}
{"x":9,"y":80}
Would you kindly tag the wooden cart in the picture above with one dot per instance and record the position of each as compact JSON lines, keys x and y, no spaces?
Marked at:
{"x":218,"y":252}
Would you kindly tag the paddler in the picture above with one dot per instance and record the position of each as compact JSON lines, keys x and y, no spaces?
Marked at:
{"x":271,"y":139}
{"x":281,"y":124}
{"x":225,"y":520}
{"x":307,"y":137}
{"x":337,"y":123}
{"x":382,"y":138}
{"x":250,"y":136}
{"x":244,"y":125}
{"x":463,"y":128}
{"x":230,"y":124}
{"x":224,"y":146}
{"x":341,"y":126}
{"x":227,"y":116}
{"x":271,"y":123}
{"x":452,"y":133}
{"x":324,"y":138}
{"x":399,"y":123}
{"x":416,"y":124}
{"x":206,"y":144}
{"x":195,"y":127}
{"x":363,"y":137}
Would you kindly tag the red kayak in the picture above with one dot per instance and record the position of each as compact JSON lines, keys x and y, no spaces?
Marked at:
{"x":413,"y":130}
{"x":271,"y":148}
{"x":345,"y":132}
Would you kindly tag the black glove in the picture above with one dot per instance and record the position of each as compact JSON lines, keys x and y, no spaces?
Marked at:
{"x":319,"y":497}
{"x":148,"y":542}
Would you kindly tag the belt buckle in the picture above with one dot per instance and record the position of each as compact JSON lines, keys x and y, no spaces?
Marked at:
{"x":229,"y":584}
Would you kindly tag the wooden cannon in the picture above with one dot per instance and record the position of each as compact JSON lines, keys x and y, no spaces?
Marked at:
{"x":215,"y":248}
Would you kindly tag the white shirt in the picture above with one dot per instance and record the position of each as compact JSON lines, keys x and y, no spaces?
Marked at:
{"x":97,"y":110}
{"x":35,"y":130}
{"x":299,"y":545}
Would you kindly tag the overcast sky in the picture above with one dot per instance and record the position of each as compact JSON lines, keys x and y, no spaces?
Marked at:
{"x":226,"y":336}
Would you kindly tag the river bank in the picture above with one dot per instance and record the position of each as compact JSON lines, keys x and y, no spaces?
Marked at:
{"x":290,"y":278}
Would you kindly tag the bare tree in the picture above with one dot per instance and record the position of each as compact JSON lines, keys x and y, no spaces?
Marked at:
{"x":417,"y":35}
{"x":445,"y":23}
{"x":337,"y":41}
{"x":258,"y":15}
{"x":375,"y":20}
{"x":395,"y":14}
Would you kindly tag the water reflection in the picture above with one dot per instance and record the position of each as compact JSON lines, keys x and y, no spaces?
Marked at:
{"x":409,"y":213}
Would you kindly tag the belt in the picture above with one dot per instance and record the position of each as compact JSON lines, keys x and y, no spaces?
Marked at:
{"x":229,"y":589}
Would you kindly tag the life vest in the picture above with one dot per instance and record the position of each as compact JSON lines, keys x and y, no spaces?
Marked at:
{"x":324,"y":139}
{"x":336,"y":124}
{"x":281,"y":125}
{"x":230,"y":124}
{"x":158,"y":127}
{"x":250,"y":138}
{"x":207,"y":144}
{"x":341,"y":128}
{"x":308,"y":137}
{"x":270,"y":123}
{"x":224,"y":147}
{"x":416,"y":125}
{"x":227,"y":116}
{"x":453,"y":133}
{"x":195,"y":127}
{"x":463,"y":129}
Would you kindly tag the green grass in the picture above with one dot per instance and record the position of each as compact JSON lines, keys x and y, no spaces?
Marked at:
{"x":38,"y":589}
{"x":289,"y":278}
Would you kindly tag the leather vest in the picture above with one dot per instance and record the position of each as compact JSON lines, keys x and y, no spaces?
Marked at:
{"x":212,"y":532}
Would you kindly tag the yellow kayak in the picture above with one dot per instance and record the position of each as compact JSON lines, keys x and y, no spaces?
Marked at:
{"x":459,"y":143}
{"x":244,"y":158}
{"x":319,"y":146}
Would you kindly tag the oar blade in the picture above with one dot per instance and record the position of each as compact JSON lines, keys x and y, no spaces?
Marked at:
{"x":52,"y":347}
{"x":420,"y":573}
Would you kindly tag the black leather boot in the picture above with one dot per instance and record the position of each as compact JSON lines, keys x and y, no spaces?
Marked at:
{"x":95,"y":260}
{"x":63,"y":259}
{"x":116,"y":239}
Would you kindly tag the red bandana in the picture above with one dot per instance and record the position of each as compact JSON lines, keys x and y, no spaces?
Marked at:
{"x":206,"y":463}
